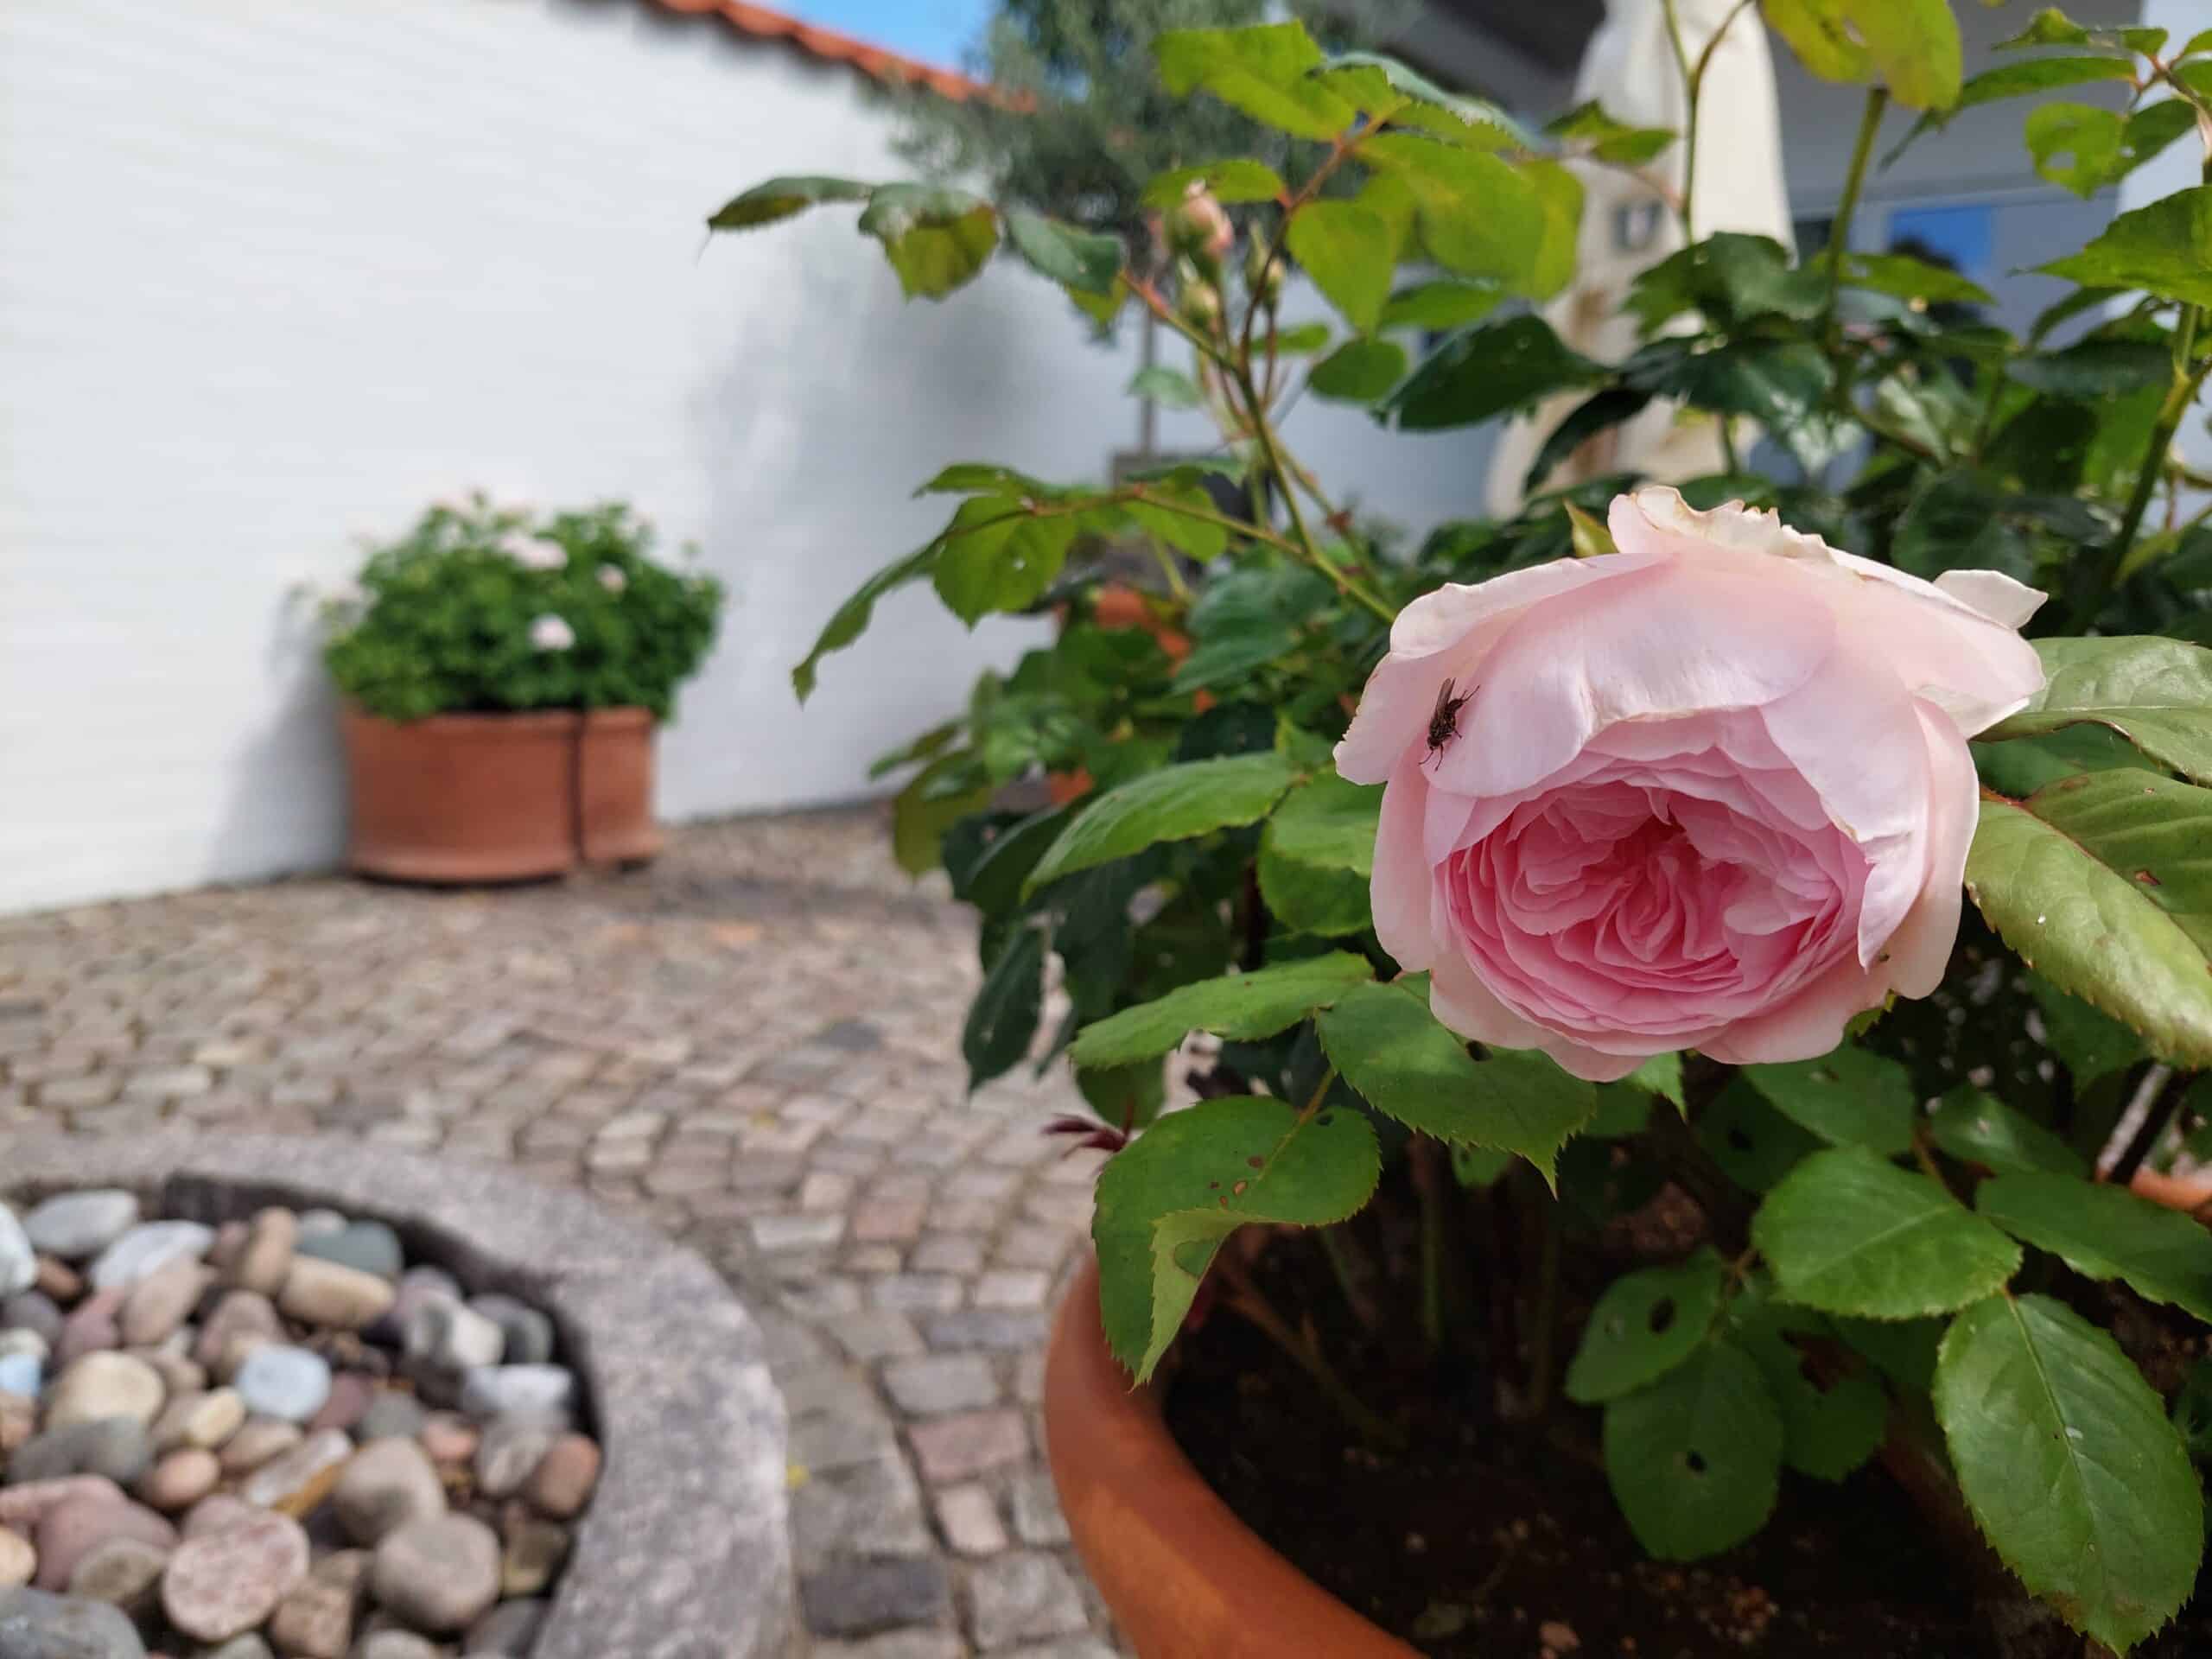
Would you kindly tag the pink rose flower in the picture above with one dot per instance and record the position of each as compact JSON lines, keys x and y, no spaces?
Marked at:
{"x":1710,"y":791}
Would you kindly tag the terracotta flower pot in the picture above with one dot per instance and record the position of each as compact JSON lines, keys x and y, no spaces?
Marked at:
{"x":1182,"y":1575}
{"x":462,"y":797}
{"x":615,"y":787}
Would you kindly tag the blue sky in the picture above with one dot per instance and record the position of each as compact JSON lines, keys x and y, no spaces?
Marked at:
{"x":935,"y":31}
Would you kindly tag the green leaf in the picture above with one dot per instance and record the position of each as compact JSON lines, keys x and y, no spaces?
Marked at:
{"x":850,"y":619}
{"x":1391,"y":1049}
{"x":1478,"y":1166}
{"x":1487,"y":370}
{"x":923,"y":812}
{"x":2094,"y":368}
{"x":1359,"y":371}
{"x":936,"y":238}
{"x":1127,"y":1097}
{"x":1003,"y":1019}
{"x":1607,"y":139}
{"x":1447,"y":302}
{"x":1848,"y":1233}
{"x":1730,"y":278}
{"x":1559,"y":195}
{"x":1174,"y":803}
{"x":985,"y":478}
{"x":1328,"y":822}
{"x":1347,"y":249}
{"x":1695,"y":1459}
{"x":1850,"y":1097}
{"x":1646,"y":1324}
{"x":1307,"y":899}
{"x":1912,"y":46}
{"x":2075,"y":146}
{"x":1243,"y":1007}
{"x":1977,"y":1128}
{"x":1587,"y":537}
{"x":2090,"y":1041}
{"x":1907,"y":278}
{"x":1001,"y":554}
{"x":1834,"y":1416}
{"x":2106,"y":1232}
{"x":1165,"y":385}
{"x":1247,"y":619}
{"x":1202,"y":538}
{"x":775,"y":198}
{"x":2164,"y":249}
{"x":2157,"y":693}
{"x":994,"y":884}
{"x":1229,"y":182}
{"x":1820,"y":34}
{"x":1663,"y":1075}
{"x":1479,"y":216}
{"x":2070,"y":1465}
{"x":1384,"y":89}
{"x":2051,"y":27}
{"x":1084,"y":261}
{"x":2103,"y":883}
{"x":1754,"y":1145}
{"x":1306,"y":337}
{"x":1260,"y":70}
{"x":1167,"y":1201}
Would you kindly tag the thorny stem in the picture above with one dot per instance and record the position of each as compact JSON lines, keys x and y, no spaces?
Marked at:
{"x":1272,"y":454}
{"x":1693,"y":85}
{"x":1870,"y":121}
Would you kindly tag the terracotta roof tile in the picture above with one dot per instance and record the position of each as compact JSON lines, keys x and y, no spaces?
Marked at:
{"x":830,"y":46}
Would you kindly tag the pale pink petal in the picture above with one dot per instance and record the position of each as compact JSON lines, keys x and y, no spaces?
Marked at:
{"x":1996,"y":595}
{"x":1399,"y":889}
{"x":1920,"y":950}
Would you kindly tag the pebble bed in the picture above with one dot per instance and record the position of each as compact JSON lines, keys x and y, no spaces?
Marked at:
{"x":274,"y":1437}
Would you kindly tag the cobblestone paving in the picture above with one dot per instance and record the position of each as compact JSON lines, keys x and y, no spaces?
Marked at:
{"x":754,"y":1046}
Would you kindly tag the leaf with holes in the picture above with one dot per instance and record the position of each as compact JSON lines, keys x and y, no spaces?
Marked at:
{"x":1391,"y":1049}
{"x":1849,"y":1097}
{"x":1173,"y":804}
{"x":1263,"y":71}
{"x":1244,"y":1007}
{"x":2076,"y":146}
{"x":1003,"y":1019}
{"x":2164,"y":249}
{"x":774,"y":198}
{"x":1979,"y":1129}
{"x":2103,"y":883}
{"x":1754,"y":1145}
{"x":1695,"y":1459}
{"x":2106,"y":1232}
{"x":936,"y":238}
{"x":2070,"y":1465}
{"x":1646,"y":1324}
{"x":1848,"y":1233}
{"x":1168,"y":1199}
{"x":1834,"y":1411}
{"x":2156,"y":693}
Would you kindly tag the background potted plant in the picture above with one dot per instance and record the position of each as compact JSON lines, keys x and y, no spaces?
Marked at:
{"x":1457,"y":1330}
{"x":503,"y":675}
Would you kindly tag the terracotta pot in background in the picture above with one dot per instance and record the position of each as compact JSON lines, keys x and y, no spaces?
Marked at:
{"x":1182,"y":1575}
{"x":462,"y":797}
{"x":614,"y":787}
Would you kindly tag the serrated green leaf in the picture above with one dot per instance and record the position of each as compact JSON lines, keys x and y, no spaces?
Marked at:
{"x":1478,"y":1166}
{"x":1754,"y":1145}
{"x":1479,"y":216}
{"x":1644,"y":1324}
{"x":1128,"y":1097}
{"x":2102,"y":882}
{"x":935,"y":238}
{"x":1165,"y":385}
{"x":850,"y":619}
{"x":1305,"y":338}
{"x":1384,"y":88}
{"x":1391,"y":1049}
{"x":1173,"y":804}
{"x":1608,"y":139}
{"x":2090,"y":1041}
{"x":2164,"y":249}
{"x":1084,"y":261}
{"x":1243,"y":1007}
{"x":1849,"y":1097}
{"x":1821,"y":35}
{"x":1695,"y":1459}
{"x":1261,"y":70}
{"x":1623,"y":1110}
{"x":998,"y":555}
{"x":1447,"y":302}
{"x":1308,"y":898}
{"x":1902,"y":1349}
{"x":1730,"y":278}
{"x":2155,"y":692}
{"x":986,"y":478}
{"x":994,"y":884}
{"x":1912,"y":46}
{"x":1977,"y":1128}
{"x":774,"y":198}
{"x":1847,"y":1232}
{"x":2075,"y":146}
{"x":1359,"y":371}
{"x":2106,"y":1232}
{"x":1002,"y":1021}
{"x":1907,"y":278}
{"x":1166,"y":1201}
{"x":1229,"y":182}
{"x":2070,"y":1465}
{"x":2094,"y":368}
{"x":1834,"y":1413}
{"x":2192,"y":1410}
{"x":1663,"y":1075}
{"x":1329,"y":821}
{"x":1202,"y":538}
{"x":1484,"y":371}
{"x":1347,"y":249}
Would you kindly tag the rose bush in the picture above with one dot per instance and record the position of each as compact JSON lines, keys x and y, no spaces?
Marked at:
{"x":1693,"y":817}
{"x":1710,"y":791}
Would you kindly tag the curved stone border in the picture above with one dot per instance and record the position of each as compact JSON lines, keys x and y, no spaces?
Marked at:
{"x":686,"y":1551}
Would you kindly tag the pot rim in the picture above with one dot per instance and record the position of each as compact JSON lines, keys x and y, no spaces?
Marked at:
{"x":511,"y":720}
{"x":1184,"y":1576}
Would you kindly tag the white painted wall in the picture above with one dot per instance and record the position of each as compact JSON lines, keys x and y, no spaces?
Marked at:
{"x":273,"y":276}
{"x":2180,"y":167}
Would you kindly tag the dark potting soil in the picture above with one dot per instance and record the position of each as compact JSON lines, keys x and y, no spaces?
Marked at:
{"x":1489,"y":1539}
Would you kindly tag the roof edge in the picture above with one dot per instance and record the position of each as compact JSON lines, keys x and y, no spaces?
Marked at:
{"x":879,"y":63}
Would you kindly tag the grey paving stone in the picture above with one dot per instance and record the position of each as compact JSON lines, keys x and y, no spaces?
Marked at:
{"x":1022,"y":1597}
{"x":860,"y":1597}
